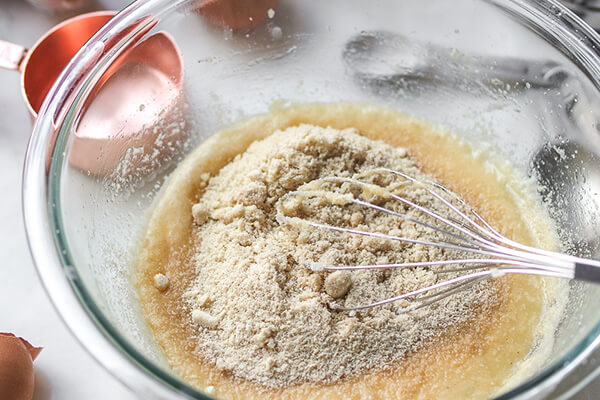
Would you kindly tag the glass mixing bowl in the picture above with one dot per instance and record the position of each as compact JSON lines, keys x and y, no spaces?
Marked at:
{"x":521,"y":77}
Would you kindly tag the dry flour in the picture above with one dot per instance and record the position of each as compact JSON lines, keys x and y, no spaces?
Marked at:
{"x":262,"y":315}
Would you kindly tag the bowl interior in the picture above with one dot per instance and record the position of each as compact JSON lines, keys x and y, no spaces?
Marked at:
{"x":504,"y":79}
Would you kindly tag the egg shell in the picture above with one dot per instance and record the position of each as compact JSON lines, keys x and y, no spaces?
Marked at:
{"x":16,"y":367}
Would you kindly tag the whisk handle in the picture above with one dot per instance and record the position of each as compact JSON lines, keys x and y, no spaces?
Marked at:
{"x":587,"y":272}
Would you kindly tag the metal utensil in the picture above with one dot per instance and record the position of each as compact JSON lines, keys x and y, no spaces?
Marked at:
{"x":42,"y":63}
{"x":108,"y":128}
{"x":479,"y":252}
{"x":380,"y":59}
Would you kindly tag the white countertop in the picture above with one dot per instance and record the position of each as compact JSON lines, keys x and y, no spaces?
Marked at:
{"x":64,"y":370}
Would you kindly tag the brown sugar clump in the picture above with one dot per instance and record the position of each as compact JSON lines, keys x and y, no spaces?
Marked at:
{"x":338,"y":283}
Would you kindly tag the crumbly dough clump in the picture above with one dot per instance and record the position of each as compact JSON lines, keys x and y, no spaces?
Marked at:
{"x":262,"y":315}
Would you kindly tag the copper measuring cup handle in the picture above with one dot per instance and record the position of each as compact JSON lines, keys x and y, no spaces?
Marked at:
{"x":42,"y":63}
{"x":11,"y":55}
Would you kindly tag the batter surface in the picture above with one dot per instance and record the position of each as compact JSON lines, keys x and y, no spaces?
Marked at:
{"x":502,"y":342}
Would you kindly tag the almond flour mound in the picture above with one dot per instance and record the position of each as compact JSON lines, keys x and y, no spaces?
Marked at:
{"x":262,"y":315}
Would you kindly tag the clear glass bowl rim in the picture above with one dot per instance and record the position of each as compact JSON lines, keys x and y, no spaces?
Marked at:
{"x":43,"y":215}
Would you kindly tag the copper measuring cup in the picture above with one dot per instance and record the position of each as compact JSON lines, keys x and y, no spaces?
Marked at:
{"x":108,"y":128}
{"x":42,"y":63}
{"x":112,"y":137}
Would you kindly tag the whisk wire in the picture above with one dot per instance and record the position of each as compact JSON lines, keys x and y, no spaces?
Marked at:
{"x":449,"y":286}
{"x":465,"y":232}
{"x":488,"y":231}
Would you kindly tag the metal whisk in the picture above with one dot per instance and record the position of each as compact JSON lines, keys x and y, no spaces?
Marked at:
{"x":489,"y":254}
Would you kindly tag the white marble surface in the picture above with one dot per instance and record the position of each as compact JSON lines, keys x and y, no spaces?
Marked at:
{"x":64,"y":370}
